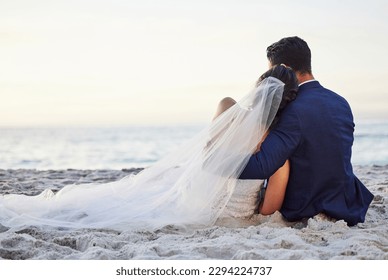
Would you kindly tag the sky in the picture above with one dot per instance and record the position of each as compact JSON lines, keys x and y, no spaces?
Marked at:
{"x":143,"y":62}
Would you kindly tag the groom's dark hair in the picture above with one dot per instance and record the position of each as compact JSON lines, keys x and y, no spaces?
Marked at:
{"x":291,"y":51}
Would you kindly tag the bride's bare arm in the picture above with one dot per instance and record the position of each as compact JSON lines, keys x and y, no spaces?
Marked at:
{"x":276,"y":189}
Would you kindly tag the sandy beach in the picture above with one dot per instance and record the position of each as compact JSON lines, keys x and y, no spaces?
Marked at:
{"x":260,"y":237}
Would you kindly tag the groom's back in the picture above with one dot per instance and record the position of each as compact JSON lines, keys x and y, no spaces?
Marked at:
{"x":321,"y":178}
{"x":327,"y":127}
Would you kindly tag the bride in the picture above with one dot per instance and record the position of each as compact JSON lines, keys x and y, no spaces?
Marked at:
{"x":194,"y":185}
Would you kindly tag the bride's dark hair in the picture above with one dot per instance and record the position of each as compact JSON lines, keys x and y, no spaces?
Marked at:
{"x":288,"y":77}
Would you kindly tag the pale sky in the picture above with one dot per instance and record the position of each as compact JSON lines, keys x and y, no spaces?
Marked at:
{"x":124,"y":62}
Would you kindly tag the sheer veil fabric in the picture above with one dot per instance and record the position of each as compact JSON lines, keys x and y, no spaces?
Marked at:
{"x":190,"y":186}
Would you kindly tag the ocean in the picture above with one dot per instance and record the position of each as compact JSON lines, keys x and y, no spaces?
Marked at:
{"x":140,"y":146}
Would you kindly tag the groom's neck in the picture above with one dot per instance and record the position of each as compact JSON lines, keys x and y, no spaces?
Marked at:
{"x":304,"y":77}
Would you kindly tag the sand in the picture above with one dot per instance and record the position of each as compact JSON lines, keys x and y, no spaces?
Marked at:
{"x":261,"y":237}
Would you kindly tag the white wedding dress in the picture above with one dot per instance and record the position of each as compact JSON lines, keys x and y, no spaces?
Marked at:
{"x":194,"y":185}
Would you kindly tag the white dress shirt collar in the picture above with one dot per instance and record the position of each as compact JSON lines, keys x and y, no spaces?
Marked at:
{"x":305,"y":82}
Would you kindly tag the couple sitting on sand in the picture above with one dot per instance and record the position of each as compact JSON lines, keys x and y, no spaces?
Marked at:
{"x":307,"y":153}
{"x":289,"y":133}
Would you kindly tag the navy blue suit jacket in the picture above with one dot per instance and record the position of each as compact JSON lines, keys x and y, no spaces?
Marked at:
{"x":315,"y":133}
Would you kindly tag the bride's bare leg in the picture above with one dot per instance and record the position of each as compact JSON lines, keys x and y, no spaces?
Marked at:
{"x":276,"y":189}
{"x":224,"y":105}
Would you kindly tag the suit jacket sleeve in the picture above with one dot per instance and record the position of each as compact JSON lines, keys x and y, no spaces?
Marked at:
{"x":280,"y":143}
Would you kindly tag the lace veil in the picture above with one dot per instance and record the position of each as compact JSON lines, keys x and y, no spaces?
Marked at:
{"x":190,"y":186}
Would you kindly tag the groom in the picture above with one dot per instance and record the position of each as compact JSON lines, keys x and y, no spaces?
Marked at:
{"x":315,"y":133}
